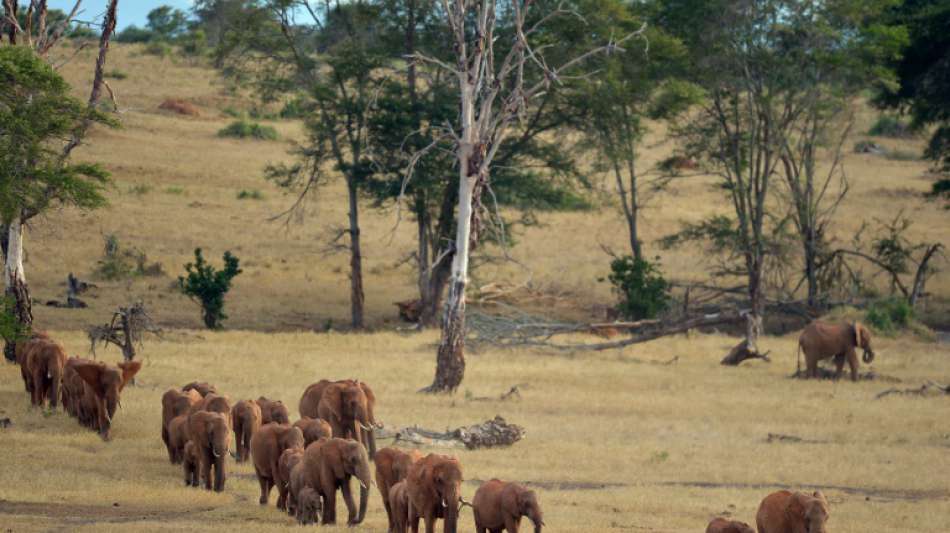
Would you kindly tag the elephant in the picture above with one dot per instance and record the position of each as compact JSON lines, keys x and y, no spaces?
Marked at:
{"x":288,"y":460}
{"x":273,"y":411}
{"x":246,"y":417}
{"x":787,"y":512}
{"x":329,"y":465}
{"x":213,"y":403}
{"x":211,"y":435}
{"x":101,"y":390}
{"x":434,"y":485}
{"x":45,"y":362}
{"x":500,"y":505}
{"x":73,"y":389}
{"x":313,"y":429}
{"x":176,"y":403}
{"x":189,"y":464}
{"x":397,"y":505}
{"x":722,"y":525}
{"x":299,"y":480}
{"x":308,"y":506}
{"x":203,"y":387}
{"x":392,"y":465}
{"x":821,"y":340}
{"x":21,"y":350}
{"x":347,"y":405}
{"x":177,"y":438}
{"x":266,"y":446}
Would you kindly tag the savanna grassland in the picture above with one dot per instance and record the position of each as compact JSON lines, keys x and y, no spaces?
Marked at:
{"x":614,"y":440}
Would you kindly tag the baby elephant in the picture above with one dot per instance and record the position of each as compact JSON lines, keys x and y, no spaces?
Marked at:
{"x":784,"y":511}
{"x":190,"y":464}
{"x":499,"y":504}
{"x":721,"y":525}
{"x":308,"y":506}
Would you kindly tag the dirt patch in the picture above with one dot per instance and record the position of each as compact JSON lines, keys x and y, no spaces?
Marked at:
{"x":91,"y":514}
{"x":181,"y":107}
{"x":867,"y":492}
{"x":779,"y":437}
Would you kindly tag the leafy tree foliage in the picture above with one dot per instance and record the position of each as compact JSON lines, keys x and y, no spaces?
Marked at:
{"x":642,"y":290}
{"x":207,"y":285}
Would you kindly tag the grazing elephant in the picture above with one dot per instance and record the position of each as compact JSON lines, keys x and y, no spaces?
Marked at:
{"x":434,"y":484}
{"x":211,"y":435}
{"x":203,"y":387}
{"x":101,"y":389}
{"x":177,"y":438}
{"x":787,"y":512}
{"x":246,"y":417}
{"x":189,"y":464}
{"x":176,"y":403}
{"x":398,"y":507}
{"x":313,"y":429}
{"x":273,"y":411}
{"x":498,"y":504}
{"x":821,"y":340}
{"x":722,"y":525}
{"x":308,"y":507}
{"x":45,"y":361}
{"x":348,"y":407}
{"x":288,"y":460}
{"x":266,"y":447}
{"x":392,"y":465}
{"x":330,"y":464}
{"x":299,"y":480}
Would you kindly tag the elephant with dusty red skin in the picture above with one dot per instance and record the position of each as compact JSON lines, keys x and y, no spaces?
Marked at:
{"x":308,"y":506}
{"x":792,"y":512}
{"x":211,"y":435}
{"x":102,"y":387}
{"x":267,"y":445}
{"x":821,"y":340}
{"x":314,"y":429}
{"x":288,"y":460}
{"x":434,"y":484}
{"x":202,"y":387}
{"x":392,"y":465}
{"x":21,"y":351}
{"x":214,"y":403}
{"x":723,"y":525}
{"x":189,"y":464}
{"x":347,"y":405}
{"x":329,"y":466}
{"x":273,"y":411}
{"x":45,"y":362}
{"x":500,"y":505}
{"x":177,"y":438}
{"x":398,"y":507}
{"x":246,"y":417}
{"x":176,"y":403}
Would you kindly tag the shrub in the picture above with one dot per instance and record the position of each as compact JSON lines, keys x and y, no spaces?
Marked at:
{"x":296,"y":108}
{"x":158,"y":48}
{"x":890,"y":126}
{"x":116,"y":74}
{"x":175,"y":190}
{"x":889,"y":315}
{"x":117,"y":263}
{"x":207,"y":285}
{"x":243,"y":129}
{"x":252,"y":194}
{"x":940,"y":189}
{"x":233,"y":112}
{"x":134,"y":34}
{"x":642,"y":290}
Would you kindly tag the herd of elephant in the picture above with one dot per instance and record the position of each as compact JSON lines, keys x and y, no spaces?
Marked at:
{"x":89,"y":389}
{"x":781,"y":512}
{"x":310,"y":460}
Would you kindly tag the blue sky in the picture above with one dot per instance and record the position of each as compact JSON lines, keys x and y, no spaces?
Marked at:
{"x":130,"y":11}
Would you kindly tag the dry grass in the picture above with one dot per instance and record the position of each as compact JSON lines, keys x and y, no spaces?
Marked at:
{"x":651,"y":435}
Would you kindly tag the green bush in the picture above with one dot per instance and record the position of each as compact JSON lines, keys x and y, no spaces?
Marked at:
{"x":178,"y":191}
{"x":158,"y":48}
{"x":890,"y":126}
{"x":889,"y":315}
{"x":207,"y":286}
{"x":243,"y":129}
{"x":252,"y":194}
{"x":233,"y":112}
{"x":640,"y":286}
{"x":296,"y":108}
{"x":118,"y":263}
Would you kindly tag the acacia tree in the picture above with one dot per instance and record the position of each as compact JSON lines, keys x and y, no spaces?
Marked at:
{"x":42,"y":125}
{"x":492,"y":96}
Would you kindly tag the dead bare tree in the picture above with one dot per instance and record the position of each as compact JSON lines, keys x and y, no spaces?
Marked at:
{"x":125,"y":330}
{"x":492,"y":96}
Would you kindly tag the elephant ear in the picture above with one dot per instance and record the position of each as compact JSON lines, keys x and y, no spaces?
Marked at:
{"x":129,"y":369}
{"x":370,"y":401}
{"x":796,"y":507}
{"x":332,"y":400}
{"x":92,"y":373}
{"x":818,"y":495}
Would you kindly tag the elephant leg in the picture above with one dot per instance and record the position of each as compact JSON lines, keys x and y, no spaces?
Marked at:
{"x":389,"y":514}
{"x":265,"y":488}
{"x":348,"y":499}
{"x":206,"y":468}
{"x":329,"y":502}
{"x":430,"y":522}
{"x":839,"y":365}
{"x":281,"y":496}
{"x":413,"y":520}
{"x":512,"y":524}
{"x":811,"y":364}
{"x":853,"y":363}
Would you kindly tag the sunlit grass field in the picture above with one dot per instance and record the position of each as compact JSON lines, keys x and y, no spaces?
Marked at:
{"x":612,"y":441}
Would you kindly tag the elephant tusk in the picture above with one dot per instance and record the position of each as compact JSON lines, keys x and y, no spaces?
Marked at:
{"x":216,"y":454}
{"x":365,"y":427}
{"x":444,"y":504}
{"x":362,"y":484}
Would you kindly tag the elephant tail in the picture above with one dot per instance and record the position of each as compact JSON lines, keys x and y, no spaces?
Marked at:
{"x":798,"y":366}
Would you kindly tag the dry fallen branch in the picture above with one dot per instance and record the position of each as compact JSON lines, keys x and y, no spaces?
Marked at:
{"x":927,"y":389}
{"x":125,"y":330}
{"x":741,"y":352}
{"x":488,"y":434}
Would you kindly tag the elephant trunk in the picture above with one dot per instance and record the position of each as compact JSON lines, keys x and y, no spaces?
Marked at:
{"x":365,"y":479}
{"x":219,"y":474}
{"x":868,"y":356}
{"x":450,"y":511}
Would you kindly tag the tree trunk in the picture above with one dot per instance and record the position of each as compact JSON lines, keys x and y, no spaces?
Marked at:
{"x":811,"y":274}
{"x":443,"y":249}
{"x":757,"y":304}
{"x":16,"y":287}
{"x":356,"y":259}
{"x":450,"y":361}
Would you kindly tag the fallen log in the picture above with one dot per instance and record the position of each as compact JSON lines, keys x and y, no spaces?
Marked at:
{"x":488,"y":434}
{"x":927,"y":389}
{"x":740,"y":353}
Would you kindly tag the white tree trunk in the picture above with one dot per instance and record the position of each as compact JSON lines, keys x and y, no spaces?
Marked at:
{"x":14,"y":260}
